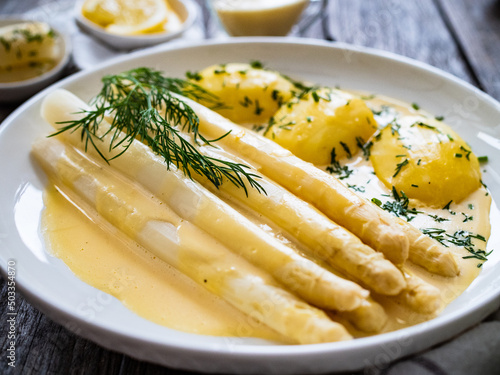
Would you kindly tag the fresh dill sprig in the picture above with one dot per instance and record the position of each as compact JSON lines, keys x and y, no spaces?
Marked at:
{"x":134,"y":101}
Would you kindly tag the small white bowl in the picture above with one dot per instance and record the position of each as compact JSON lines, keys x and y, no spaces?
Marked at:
{"x":186,"y":10}
{"x":21,"y":90}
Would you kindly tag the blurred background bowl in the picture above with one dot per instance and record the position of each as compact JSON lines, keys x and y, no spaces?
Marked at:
{"x":185,"y":9}
{"x":21,"y":90}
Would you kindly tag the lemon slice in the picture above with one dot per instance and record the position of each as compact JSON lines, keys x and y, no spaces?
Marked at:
{"x":126,"y":17}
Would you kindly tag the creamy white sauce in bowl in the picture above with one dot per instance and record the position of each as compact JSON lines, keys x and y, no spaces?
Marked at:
{"x":258,"y":17}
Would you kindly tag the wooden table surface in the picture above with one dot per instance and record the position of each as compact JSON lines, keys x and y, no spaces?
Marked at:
{"x":461,"y":37}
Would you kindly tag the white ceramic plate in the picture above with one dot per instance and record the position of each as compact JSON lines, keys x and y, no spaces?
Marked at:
{"x":51,"y":286}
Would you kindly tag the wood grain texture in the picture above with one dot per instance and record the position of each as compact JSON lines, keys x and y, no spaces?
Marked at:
{"x":476,"y":26}
{"x":458,"y":36}
{"x":411,"y":28}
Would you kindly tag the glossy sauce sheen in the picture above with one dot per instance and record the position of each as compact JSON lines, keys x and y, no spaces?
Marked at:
{"x":112,"y":263}
{"x":259,"y":17}
{"x":159,"y":293}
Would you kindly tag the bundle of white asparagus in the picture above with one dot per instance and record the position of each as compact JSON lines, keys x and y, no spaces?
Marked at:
{"x":351,"y":247}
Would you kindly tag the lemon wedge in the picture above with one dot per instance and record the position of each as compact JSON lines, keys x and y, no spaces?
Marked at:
{"x":127,"y":17}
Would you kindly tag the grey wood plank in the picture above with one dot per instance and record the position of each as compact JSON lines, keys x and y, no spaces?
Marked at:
{"x":476,"y":25}
{"x":410,"y":28}
{"x":311,"y":22}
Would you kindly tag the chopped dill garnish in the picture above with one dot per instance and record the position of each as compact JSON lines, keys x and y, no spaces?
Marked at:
{"x":447,"y":206}
{"x":346,"y":149}
{"x":399,"y":166}
{"x":467,"y":217}
{"x":438,"y":219}
{"x":415,"y":106}
{"x":342,"y":172}
{"x":384,"y":109}
{"x":5,"y":43}
{"x":467,"y":152}
{"x":436,"y":234}
{"x":246,"y":102}
{"x":439,"y":118}
{"x":256,"y":64}
{"x":365,"y":147}
{"x":395,"y":127}
{"x":258,"y":108}
{"x":274,"y":94}
{"x":360,"y":189}
{"x":136,"y":99}
{"x":424,"y":125}
{"x":258,"y":127}
{"x":315,"y":96}
{"x":287,"y":126}
{"x":398,"y":207}
{"x":220,"y":71}
{"x":461,"y":238}
{"x":194,"y":76}
{"x":28,"y":35}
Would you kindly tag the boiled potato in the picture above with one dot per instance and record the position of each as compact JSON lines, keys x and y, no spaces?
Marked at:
{"x":250,"y":95}
{"x":426,"y":160}
{"x":321,"y":120}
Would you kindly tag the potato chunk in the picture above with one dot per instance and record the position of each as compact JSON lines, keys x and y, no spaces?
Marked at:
{"x":426,"y":160}
{"x":250,"y":95}
{"x":320,"y":121}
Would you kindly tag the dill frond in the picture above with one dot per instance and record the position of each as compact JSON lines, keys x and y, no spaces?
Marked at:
{"x":140,"y":105}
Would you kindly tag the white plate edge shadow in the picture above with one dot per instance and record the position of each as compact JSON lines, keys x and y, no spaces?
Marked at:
{"x":238,"y":357}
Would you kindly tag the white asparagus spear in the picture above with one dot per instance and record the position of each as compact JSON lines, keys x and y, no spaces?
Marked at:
{"x":330,"y":242}
{"x":395,"y":238}
{"x":369,"y":317}
{"x":430,"y":254}
{"x":184,"y":246}
{"x":325,"y":192}
{"x":420,"y":296}
{"x":327,"y":240}
{"x":194,"y":203}
{"x":366,"y":267}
